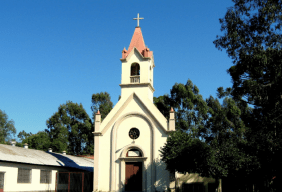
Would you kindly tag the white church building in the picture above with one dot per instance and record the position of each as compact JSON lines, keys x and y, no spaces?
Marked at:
{"x":128,"y":140}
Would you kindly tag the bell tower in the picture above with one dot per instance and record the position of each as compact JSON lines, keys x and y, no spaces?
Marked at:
{"x":137,"y":67}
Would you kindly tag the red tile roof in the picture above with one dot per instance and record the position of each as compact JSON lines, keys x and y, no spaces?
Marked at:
{"x":137,"y":41}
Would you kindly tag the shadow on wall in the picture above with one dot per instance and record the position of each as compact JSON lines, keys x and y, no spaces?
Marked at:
{"x":163,"y":177}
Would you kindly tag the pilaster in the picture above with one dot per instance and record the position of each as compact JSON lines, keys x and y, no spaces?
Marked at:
{"x":97,"y":135}
{"x":171,"y":120}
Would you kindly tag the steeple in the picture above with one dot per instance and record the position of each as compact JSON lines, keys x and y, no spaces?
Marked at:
{"x":137,"y":67}
{"x":137,"y":41}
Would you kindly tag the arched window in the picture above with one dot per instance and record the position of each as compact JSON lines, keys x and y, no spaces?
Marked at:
{"x":135,"y":69}
{"x":133,"y":153}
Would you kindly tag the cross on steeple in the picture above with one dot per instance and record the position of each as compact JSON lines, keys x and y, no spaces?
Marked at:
{"x":137,"y":19}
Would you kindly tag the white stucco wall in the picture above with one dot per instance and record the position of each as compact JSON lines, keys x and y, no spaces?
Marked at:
{"x":143,"y":91}
{"x":119,"y":128}
{"x":162,"y":175}
{"x":123,"y":140}
{"x":104,"y":161}
{"x":145,"y":74}
{"x":11,"y":176}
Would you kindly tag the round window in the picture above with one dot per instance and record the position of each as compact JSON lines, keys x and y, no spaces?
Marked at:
{"x":134,"y":133}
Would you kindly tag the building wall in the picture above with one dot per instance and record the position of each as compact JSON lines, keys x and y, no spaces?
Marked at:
{"x":144,"y":68}
{"x":146,"y":76}
{"x":142,"y":91}
{"x":11,"y":176}
{"x":112,"y":148}
{"x":192,"y":179}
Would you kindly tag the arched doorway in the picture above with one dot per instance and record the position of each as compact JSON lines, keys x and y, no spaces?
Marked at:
{"x":133,"y":168}
{"x":133,"y":172}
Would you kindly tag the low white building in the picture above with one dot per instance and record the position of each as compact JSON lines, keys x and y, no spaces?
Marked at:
{"x":23,"y":169}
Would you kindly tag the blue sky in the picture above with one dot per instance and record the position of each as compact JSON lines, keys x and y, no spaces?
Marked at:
{"x":55,"y":51}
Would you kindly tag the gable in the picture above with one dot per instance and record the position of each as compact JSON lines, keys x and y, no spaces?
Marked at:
{"x":136,"y":53}
{"x":135,"y":104}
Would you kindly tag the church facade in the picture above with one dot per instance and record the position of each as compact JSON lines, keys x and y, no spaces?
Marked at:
{"x":128,"y":140}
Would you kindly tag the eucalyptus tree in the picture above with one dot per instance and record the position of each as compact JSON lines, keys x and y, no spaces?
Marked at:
{"x":252,"y":38}
{"x":69,"y":128}
{"x":102,"y":102}
{"x":7,"y":127}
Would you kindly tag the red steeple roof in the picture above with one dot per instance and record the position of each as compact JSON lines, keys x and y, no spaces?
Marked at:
{"x":137,"y":41}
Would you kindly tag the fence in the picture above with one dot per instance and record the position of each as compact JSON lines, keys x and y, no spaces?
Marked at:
{"x":74,"y":182}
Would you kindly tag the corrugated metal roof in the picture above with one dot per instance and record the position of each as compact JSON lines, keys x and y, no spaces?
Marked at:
{"x":32,"y":156}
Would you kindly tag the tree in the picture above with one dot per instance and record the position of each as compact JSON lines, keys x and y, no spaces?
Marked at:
{"x":219,"y":149}
{"x":7,"y":127}
{"x":225,"y":133}
{"x":189,"y":106}
{"x":214,"y":142}
{"x":184,"y":153}
{"x":69,"y":129}
{"x":252,"y":38}
{"x":23,"y":135}
{"x":101,"y":101}
{"x":163,"y":103}
{"x":39,"y":141}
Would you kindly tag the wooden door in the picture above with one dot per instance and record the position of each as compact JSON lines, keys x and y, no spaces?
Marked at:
{"x":133,"y":176}
{"x":1,"y":181}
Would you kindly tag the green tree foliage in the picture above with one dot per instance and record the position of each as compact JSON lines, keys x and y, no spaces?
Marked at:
{"x":69,"y":129}
{"x":7,"y":128}
{"x":163,"y":103}
{"x":253,"y":38}
{"x":184,"y":153}
{"x":189,"y":106}
{"x":101,"y":101}
{"x":23,"y":135}
{"x":225,"y":133}
{"x":219,"y":148}
{"x":214,"y":142}
{"x":39,"y":141}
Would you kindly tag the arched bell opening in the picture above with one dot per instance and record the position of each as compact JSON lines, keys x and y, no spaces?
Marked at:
{"x":135,"y":73}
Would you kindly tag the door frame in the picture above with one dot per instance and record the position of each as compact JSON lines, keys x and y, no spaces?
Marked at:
{"x":4,"y":178}
{"x":122,"y":166}
{"x":123,"y":160}
{"x":141,"y":167}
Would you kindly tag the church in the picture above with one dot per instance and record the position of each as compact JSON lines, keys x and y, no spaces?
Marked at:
{"x":128,"y":140}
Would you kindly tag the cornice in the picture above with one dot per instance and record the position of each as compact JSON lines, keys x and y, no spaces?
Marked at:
{"x":138,"y":85}
{"x":133,"y":159}
{"x":97,"y":134}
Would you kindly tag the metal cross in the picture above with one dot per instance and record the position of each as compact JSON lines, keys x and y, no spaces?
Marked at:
{"x":137,"y":19}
